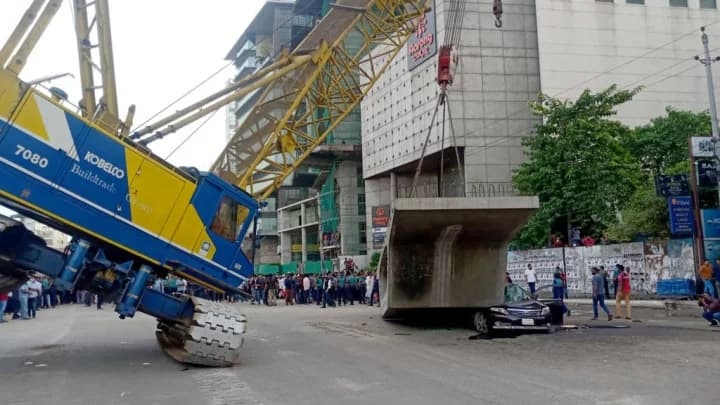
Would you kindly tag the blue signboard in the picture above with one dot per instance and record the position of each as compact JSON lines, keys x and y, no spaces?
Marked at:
{"x":682,"y":221}
{"x":711,"y":223}
{"x":712,"y":250}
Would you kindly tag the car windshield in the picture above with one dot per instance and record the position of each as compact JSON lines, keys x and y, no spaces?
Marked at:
{"x":514,"y":294}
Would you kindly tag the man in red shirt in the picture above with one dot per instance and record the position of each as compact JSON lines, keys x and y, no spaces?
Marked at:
{"x":623,"y":293}
{"x":711,"y":309}
{"x":3,"y":305}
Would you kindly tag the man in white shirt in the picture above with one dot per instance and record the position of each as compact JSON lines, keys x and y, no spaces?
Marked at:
{"x":306,"y":290}
{"x":34,"y":288}
{"x":531,"y":278}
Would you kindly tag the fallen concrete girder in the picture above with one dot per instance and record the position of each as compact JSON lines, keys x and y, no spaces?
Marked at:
{"x":448,"y":253}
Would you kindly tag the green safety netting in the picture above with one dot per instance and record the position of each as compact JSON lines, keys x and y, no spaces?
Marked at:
{"x":266,"y":269}
{"x":328,"y":209}
{"x":314,"y":267}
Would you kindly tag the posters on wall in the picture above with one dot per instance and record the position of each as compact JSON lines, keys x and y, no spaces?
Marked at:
{"x":648,"y":263}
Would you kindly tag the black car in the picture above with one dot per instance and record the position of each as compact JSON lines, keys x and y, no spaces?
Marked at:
{"x":520,"y":311}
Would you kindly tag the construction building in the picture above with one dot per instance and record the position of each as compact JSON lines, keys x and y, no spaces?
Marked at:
{"x":319,"y":212}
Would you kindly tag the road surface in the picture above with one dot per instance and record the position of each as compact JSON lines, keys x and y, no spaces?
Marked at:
{"x":306,"y":355}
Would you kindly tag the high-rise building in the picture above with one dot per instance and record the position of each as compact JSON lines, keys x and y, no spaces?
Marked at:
{"x":323,"y":199}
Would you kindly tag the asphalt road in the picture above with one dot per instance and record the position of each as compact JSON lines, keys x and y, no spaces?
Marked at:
{"x":307,"y":355}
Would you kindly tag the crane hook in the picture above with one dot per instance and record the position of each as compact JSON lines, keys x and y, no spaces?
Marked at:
{"x":498,"y":11}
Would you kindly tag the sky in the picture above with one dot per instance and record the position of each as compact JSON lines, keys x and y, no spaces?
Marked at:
{"x":162,"y":49}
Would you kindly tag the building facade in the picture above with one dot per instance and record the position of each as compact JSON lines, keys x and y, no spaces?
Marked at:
{"x":498,"y":72}
{"x":650,"y":43}
{"x":558,"y":47}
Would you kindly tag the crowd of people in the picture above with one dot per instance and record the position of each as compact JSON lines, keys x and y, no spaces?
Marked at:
{"x":328,"y":289}
{"x":39,"y":293}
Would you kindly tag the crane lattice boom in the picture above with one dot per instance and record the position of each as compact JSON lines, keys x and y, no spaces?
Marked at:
{"x":349,"y":49}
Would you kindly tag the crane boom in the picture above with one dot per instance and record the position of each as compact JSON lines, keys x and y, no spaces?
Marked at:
{"x":351,"y":47}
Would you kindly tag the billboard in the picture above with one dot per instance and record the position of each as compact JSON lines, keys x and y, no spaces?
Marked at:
{"x":682,"y":221}
{"x":702,"y":146}
{"x":706,"y":173}
{"x":674,"y":185}
{"x":380,"y":220}
{"x":380,"y":216}
{"x":711,"y":223}
{"x":422,"y":45}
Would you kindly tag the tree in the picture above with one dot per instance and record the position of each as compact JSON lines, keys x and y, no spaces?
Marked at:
{"x":577,"y":165}
{"x":663,"y":143}
{"x":645,"y":213}
{"x":661,"y":148}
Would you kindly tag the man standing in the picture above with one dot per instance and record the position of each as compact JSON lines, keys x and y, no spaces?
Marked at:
{"x":706,"y":274}
{"x":598,"y":291}
{"x":616,"y":273}
{"x":32,"y":290}
{"x":605,"y":280}
{"x":3,"y":304}
{"x":530,"y":278}
{"x":306,"y":290}
{"x":289,"y":285}
{"x":623,"y":294}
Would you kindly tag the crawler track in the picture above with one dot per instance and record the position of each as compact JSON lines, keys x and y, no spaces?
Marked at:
{"x":214,"y":339}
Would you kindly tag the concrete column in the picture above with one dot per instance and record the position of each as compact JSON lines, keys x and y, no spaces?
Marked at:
{"x":303,"y":232}
{"x":393,"y":187}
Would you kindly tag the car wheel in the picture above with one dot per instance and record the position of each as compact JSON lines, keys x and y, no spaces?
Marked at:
{"x":481,"y":322}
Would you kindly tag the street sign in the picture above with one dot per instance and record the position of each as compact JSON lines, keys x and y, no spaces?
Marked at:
{"x":670,"y":186}
{"x":702,"y":146}
{"x":682,"y":221}
{"x":711,"y":223}
{"x":707,"y":173}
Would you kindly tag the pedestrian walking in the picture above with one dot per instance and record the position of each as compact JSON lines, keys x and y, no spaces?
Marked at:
{"x":530,"y":278}
{"x":599,"y":294}
{"x":623,"y":294}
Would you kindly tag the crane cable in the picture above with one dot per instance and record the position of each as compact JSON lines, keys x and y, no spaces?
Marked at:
{"x":453,"y":32}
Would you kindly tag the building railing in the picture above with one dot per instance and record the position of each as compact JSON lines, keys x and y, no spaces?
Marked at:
{"x":470,"y":190}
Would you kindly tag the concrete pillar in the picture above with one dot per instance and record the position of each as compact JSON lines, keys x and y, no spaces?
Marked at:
{"x":303,"y":232}
{"x":393,"y":186}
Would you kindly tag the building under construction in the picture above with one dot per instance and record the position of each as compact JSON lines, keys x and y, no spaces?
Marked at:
{"x":317,"y":216}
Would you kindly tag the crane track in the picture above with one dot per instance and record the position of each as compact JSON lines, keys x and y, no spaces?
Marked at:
{"x":213,"y":339}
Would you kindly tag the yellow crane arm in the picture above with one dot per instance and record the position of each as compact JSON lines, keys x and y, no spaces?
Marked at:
{"x":350,"y":48}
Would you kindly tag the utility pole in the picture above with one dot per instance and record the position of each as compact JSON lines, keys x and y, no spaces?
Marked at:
{"x":707,"y":61}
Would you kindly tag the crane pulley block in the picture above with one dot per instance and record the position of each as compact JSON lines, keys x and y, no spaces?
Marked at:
{"x":444,"y":75}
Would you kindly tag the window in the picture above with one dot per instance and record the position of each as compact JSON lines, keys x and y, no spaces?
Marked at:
{"x":708,"y":4}
{"x":635,"y":1}
{"x":678,"y":3}
{"x":229,"y":219}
